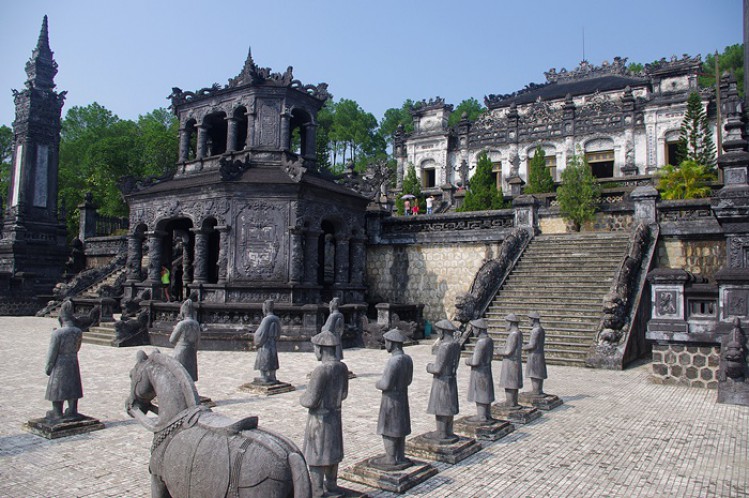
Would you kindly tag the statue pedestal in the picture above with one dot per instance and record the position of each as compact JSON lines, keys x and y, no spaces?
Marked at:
{"x":396,"y":480}
{"x":57,"y":428}
{"x":485,"y":431}
{"x":424,"y":446}
{"x":257,"y":386}
{"x":521,"y":415}
{"x":543,"y":401}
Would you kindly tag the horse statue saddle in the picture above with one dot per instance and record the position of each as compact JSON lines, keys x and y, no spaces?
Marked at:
{"x":226,"y":426}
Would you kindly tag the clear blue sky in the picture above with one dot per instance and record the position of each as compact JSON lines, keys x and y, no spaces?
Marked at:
{"x":127,"y":55}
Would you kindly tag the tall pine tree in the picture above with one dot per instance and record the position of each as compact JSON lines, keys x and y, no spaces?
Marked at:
{"x":482,"y":192}
{"x":411,"y":185}
{"x":539,"y":176}
{"x":695,"y":140}
{"x":579,"y":193}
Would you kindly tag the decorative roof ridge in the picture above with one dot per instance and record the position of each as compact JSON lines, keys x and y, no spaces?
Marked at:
{"x":253,"y":75}
{"x":428,"y":105}
{"x":683,"y":65}
{"x":586,"y":70}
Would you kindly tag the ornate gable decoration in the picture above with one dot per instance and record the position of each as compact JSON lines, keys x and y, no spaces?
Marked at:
{"x":674,"y":66}
{"x":253,"y":75}
{"x":587,"y":70}
{"x":431,"y":104}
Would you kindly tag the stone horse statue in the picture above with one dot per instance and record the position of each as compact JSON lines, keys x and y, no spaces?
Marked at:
{"x":198,"y":453}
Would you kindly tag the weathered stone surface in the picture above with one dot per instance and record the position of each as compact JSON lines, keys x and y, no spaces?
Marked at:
{"x":425,"y":446}
{"x":398,"y":481}
{"x":490,"y":430}
{"x":523,"y":415}
{"x":53,"y":430}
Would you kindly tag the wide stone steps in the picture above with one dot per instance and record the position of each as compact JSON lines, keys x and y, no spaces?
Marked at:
{"x":100,"y":336}
{"x":564,"y":278}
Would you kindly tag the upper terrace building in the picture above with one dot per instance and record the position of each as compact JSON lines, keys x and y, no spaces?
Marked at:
{"x":625,"y":123}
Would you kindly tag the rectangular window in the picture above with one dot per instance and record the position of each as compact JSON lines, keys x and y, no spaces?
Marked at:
{"x":428,"y":178}
{"x":601,"y":163}
{"x":672,"y":153}
{"x":497,"y":174}
{"x":551,"y":163}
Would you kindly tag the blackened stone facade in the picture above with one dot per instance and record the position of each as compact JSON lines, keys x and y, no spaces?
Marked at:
{"x":32,"y":248}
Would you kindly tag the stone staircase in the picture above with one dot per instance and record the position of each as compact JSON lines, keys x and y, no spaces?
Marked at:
{"x":101,"y":335}
{"x":564,"y":278}
{"x":93,"y":291}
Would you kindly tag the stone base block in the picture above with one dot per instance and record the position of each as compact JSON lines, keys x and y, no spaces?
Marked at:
{"x":484,"y":431}
{"x":424,"y":446}
{"x":396,"y":481}
{"x":522,"y":415}
{"x":732,"y":392}
{"x":544,"y":401}
{"x":259,"y":387}
{"x":53,"y":429}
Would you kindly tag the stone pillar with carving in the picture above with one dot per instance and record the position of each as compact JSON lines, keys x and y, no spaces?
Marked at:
{"x":358,"y":260}
{"x":87,"y":225}
{"x":201,"y":256}
{"x":134,"y":257}
{"x":202,"y":142}
{"x":187,"y":268}
{"x":223,"y":250}
{"x":342,"y":264}
{"x":311,"y":256}
{"x":296,"y":268}
{"x":155,"y":254}
{"x":526,"y":212}
{"x":285,"y":130}
{"x":251,"y":116}
{"x":645,"y":198}
{"x":310,"y":141}
{"x":231,"y":134}
{"x":184,"y":144}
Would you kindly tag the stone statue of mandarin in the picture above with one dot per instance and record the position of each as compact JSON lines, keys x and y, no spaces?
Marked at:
{"x":265,"y":342}
{"x":481,"y":384}
{"x":62,"y":367}
{"x":323,"y":436}
{"x":335,"y":323}
{"x":535,"y":368}
{"x":443,"y":398}
{"x":511,"y":377}
{"x":186,"y":339}
{"x":394,"y":421}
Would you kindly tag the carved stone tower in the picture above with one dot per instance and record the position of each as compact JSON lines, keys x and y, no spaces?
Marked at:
{"x":32,"y":248}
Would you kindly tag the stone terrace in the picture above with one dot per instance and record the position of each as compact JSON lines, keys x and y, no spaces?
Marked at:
{"x":616,"y":435}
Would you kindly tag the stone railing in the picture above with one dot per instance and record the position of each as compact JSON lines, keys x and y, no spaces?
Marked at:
{"x":687,"y":217}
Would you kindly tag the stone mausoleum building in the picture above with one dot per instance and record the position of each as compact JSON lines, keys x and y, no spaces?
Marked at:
{"x":246,"y":216}
{"x":624,"y":123}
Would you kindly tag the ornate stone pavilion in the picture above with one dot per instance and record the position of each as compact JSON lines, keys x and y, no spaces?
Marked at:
{"x":625,"y":123}
{"x":32,"y":247}
{"x":247,"y":216}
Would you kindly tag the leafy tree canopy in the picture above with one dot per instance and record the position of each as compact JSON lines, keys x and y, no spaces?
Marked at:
{"x":731,"y":60}
{"x":397,"y":116}
{"x":471,"y":107}
{"x":579,"y":193}
{"x":539,"y":176}
{"x":695,"y":138}
{"x":482,"y":191}
{"x":411,"y":185}
{"x":688,"y":180}
{"x":97,"y":148}
{"x":351,"y":135}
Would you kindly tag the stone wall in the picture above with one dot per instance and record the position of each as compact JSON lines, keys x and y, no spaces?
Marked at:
{"x":553,"y":223}
{"x":430,"y":274}
{"x":687,"y":365}
{"x":702,"y":257}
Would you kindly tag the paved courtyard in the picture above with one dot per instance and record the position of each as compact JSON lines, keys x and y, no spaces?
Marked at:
{"x":616,"y":435}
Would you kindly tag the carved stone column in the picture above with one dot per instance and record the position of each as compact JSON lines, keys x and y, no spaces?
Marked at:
{"x":184,"y":144}
{"x":251,"y":115}
{"x":202,"y":142}
{"x":223,"y":247}
{"x":296,"y":269}
{"x":186,"y":263}
{"x":358,"y":260}
{"x":310,"y":140}
{"x":285,"y":131}
{"x":156,"y":254}
{"x":311,"y":256}
{"x":201,"y":256}
{"x":231,"y":134}
{"x":342,"y":269}
{"x":134,"y":257}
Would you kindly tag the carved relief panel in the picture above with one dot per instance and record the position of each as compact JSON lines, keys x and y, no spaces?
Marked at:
{"x":261,"y":242}
{"x":668,"y":302}
{"x":269,"y":121}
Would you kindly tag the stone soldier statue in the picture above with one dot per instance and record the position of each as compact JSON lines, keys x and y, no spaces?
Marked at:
{"x":511,"y":377}
{"x":323,"y":436}
{"x":186,"y":339}
{"x":62,"y":367}
{"x":335,"y":323}
{"x":481,"y":384}
{"x":536,"y":366}
{"x":443,"y":399}
{"x":394,"y":422}
{"x":265,"y":342}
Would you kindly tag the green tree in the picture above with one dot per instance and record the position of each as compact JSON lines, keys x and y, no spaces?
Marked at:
{"x":322,"y":139}
{"x":353,"y":136}
{"x":6,"y":154}
{"x":695,"y":139}
{"x":688,"y":180}
{"x":394,"y":117}
{"x":579,"y":193}
{"x":471,"y":107}
{"x":482,"y":189}
{"x":411,"y":185}
{"x":731,"y":60}
{"x":539,"y":176}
